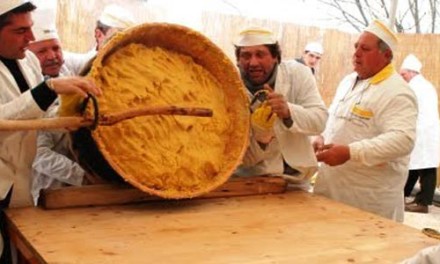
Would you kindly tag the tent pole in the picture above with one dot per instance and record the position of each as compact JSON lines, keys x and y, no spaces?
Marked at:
{"x":393,"y":10}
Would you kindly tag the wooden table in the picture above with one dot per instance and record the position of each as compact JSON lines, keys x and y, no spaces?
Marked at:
{"x":294,"y":227}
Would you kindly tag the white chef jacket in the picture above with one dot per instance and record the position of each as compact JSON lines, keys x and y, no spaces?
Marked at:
{"x":376,"y":118}
{"x":17,"y":149}
{"x":426,"y":152}
{"x":309,"y":114}
{"x":429,"y":255}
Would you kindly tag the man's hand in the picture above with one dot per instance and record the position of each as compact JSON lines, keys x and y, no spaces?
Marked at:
{"x":277,"y":102}
{"x":334,"y":155}
{"x":318,"y":144}
{"x":74,"y":85}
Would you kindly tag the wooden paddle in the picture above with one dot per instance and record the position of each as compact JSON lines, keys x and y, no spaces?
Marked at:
{"x":75,"y":122}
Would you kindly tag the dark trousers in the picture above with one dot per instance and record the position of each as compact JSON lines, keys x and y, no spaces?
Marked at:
{"x":428,"y":181}
{"x":6,"y":257}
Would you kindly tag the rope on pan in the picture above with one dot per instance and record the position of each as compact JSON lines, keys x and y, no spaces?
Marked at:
{"x":83,"y":108}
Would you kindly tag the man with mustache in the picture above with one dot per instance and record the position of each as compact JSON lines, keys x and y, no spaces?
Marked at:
{"x":54,"y":165}
{"x":370,"y":132}
{"x":47,"y":45}
{"x":286,"y":108}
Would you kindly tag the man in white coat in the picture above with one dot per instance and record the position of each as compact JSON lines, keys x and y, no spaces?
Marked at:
{"x":370,"y":132}
{"x":24,"y":95}
{"x":286,"y":108}
{"x":54,"y":165}
{"x":113,"y":19}
{"x":425,"y":156}
{"x":47,"y":45}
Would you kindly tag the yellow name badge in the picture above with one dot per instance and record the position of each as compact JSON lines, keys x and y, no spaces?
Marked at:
{"x":362,"y":113}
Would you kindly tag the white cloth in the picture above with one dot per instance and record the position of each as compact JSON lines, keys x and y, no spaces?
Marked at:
{"x":75,"y":62}
{"x":377,"y":122}
{"x":309,"y":114}
{"x":426,"y":152}
{"x":8,"y":5}
{"x":411,"y":63}
{"x":54,"y":165}
{"x":17,"y":149}
{"x":429,"y":255}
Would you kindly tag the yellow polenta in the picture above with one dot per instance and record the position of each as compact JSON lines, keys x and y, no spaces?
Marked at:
{"x":171,"y":154}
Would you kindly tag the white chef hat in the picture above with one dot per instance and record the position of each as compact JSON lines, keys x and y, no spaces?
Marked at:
{"x":116,"y":17}
{"x":411,"y":63}
{"x":382,"y":31}
{"x":44,"y":27}
{"x":314,"y":47}
{"x":254,"y":36}
{"x":8,"y":5}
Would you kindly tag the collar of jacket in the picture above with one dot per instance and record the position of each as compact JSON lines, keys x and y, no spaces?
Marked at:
{"x":386,"y":72}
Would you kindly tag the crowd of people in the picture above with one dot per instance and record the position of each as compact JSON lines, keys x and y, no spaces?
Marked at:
{"x":379,"y":136}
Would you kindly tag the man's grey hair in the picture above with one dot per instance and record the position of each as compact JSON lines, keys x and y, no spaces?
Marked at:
{"x":384,"y":47}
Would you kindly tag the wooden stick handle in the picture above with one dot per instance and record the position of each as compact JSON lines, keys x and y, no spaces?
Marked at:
{"x":75,"y":122}
{"x":57,"y":123}
{"x":111,"y":119}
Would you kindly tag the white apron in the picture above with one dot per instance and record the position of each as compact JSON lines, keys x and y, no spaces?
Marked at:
{"x":377,"y":121}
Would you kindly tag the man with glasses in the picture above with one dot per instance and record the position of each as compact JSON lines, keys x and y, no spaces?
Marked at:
{"x":370,"y":132}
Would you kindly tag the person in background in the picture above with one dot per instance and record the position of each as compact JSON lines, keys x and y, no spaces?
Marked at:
{"x":24,"y":95}
{"x":54,"y":165}
{"x":47,"y":45}
{"x":370,"y":132}
{"x":425,"y":156}
{"x":113,"y":19}
{"x":312,"y":55}
{"x":286,"y":107}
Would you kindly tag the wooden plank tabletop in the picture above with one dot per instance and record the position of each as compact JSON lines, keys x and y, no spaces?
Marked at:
{"x":294,"y":227}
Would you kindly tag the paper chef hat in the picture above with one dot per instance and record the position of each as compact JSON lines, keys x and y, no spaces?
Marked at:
{"x":254,"y":36}
{"x":411,"y":63}
{"x":314,"y":47}
{"x":44,"y":27}
{"x":116,"y":17}
{"x":382,"y":31}
{"x":8,"y":5}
